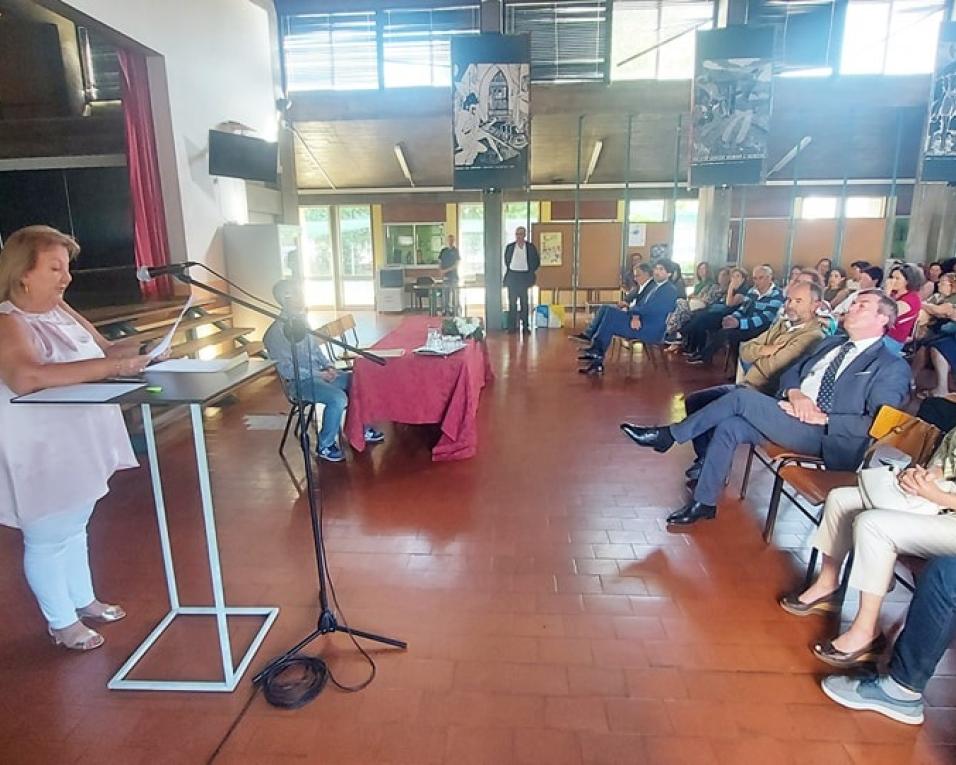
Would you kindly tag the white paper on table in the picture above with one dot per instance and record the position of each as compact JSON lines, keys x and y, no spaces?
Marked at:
{"x":200,"y":365}
{"x":166,"y":343}
{"x":90,"y":393}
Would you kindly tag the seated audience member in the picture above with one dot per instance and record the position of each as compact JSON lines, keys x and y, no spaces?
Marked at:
{"x":938,"y":309}
{"x":643,"y":285}
{"x":627,"y":272}
{"x":836,"y":291}
{"x":765,"y":358}
{"x":876,"y":537}
{"x":749,"y":320}
{"x":645,"y":321}
{"x":823,"y":267}
{"x":869,"y":279}
{"x":825,"y":406}
{"x":929,"y":630}
{"x":701,"y":324}
{"x":704,"y":293}
{"x":903,"y":285}
{"x":853,"y":275}
{"x":942,"y":356}
{"x":319,"y":382}
{"x":794,"y":273}
{"x":678,"y":279}
{"x":932,"y":272}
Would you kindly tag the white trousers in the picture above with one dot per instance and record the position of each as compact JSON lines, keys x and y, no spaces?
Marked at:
{"x":57,"y":565}
{"x":877,"y":537}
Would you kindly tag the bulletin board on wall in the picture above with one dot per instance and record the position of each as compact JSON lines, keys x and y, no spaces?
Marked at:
{"x":600,"y":252}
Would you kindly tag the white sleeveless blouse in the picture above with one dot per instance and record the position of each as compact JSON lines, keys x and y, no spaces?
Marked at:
{"x":56,"y":459}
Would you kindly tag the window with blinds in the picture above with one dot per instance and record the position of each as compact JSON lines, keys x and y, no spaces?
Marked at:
{"x":100,"y":67}
{"x":569,"y":40}
{"x":417,"y":43}
{"x":655,"y":39}
{"x":330,"y":51}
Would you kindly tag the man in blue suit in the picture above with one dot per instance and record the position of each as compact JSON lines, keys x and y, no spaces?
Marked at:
{"x":645,"y":321}
{"x":825,"y":406}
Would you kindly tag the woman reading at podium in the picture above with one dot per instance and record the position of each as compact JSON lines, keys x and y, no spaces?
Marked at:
{"x":55,"y":461}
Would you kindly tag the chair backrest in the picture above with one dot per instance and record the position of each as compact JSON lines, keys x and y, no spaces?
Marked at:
{"x":906,"y":432}
{"x":348,"y":325}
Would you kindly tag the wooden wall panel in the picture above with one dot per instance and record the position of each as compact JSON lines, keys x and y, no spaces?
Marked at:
{"x":594,"y":209}
{"x":657,"y":233}
{"x":765,"y":241}
{"x":600,"y":255}
{"x":413,"y":212}
{"x":812,"y":240}
{"x":863,"y":240}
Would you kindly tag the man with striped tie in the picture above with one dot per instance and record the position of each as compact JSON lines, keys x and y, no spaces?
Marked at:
{"x":824,"y":407}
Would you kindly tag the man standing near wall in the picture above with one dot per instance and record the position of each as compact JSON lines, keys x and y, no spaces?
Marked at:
{"x":521,"y":264}
{"x":448,"y":260}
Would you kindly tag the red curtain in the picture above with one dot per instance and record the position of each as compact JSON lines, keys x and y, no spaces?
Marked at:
{"x":149,"y":217}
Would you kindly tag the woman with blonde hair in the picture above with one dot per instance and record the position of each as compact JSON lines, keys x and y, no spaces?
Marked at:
{"x":55,"y":461}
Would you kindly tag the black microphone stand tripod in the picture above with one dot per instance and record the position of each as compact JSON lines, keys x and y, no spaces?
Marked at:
{"x":296,"y":331}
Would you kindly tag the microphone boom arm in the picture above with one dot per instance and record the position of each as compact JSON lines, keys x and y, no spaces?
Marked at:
{"x":187,"y":279}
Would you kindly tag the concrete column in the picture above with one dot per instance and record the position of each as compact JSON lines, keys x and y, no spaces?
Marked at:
{"x":713,"y":225}
{"x":494,"y":247}
{"x":932,"y":231}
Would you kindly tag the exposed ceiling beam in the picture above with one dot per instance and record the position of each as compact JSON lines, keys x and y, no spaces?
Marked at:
{"x":315,"y":159}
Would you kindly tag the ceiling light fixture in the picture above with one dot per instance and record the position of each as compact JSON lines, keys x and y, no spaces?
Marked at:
{"x":400,"y":156}
{"x":595,"y":156}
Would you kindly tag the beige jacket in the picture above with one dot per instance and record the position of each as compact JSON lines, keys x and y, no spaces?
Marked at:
{"x":790,"y":344}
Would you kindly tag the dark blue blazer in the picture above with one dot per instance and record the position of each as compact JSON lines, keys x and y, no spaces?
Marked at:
{"x":653,"y":311}
{"x":875,"y":378}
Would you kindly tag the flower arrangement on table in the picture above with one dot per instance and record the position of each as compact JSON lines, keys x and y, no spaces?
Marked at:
{"x":464,"y":328}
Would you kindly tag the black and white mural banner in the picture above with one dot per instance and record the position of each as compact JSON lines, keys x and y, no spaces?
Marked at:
{"x":733,"y":97}
{"x":939,"y":150}
{"x":491,"y":122}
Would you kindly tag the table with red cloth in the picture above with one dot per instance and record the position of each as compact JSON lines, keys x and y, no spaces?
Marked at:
{"x":420,"y":390}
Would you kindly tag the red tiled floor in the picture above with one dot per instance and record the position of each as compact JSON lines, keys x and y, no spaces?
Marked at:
{"x":550,"y":615}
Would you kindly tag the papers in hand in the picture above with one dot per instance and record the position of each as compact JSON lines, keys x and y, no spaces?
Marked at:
{"x":200,"y":365}
{"x":167,"y":341}
{"x":87,"y":393}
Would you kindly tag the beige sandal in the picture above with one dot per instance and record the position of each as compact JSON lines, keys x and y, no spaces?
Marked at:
{"x":76,"y":637}
{"x":101,"y":612}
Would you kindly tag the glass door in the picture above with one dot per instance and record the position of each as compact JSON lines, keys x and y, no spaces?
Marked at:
{"x":317,"y":256}
{"x":356,"y":273}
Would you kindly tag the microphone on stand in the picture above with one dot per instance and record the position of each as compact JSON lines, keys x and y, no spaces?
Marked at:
{"x":148,"y":273}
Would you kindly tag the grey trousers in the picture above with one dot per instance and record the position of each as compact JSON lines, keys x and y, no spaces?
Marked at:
{"x":742,"y":416}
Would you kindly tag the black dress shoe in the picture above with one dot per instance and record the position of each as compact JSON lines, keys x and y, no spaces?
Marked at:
{"x":581,"y":336}
{"x":693,"y":472}
{"x":596,"y":367}
{"x":692,"y":512}
{"x":590,"y":356}
{"x":659,"y":439}
{"x":696,"y":360}
{"x":691,"y":484}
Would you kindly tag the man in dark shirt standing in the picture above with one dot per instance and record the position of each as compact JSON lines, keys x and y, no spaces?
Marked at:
{"x":448,"y":260}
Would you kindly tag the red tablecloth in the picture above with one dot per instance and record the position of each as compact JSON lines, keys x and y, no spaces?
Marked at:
{"x":420,"y":390}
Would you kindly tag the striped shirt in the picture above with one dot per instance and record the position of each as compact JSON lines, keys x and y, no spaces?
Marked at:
{"x":759,"y":311}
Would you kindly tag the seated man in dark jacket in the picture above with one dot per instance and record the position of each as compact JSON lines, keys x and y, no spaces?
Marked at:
{"x":825,"y":407}
{"x":646,"y":321}
{"x":643,"y":286}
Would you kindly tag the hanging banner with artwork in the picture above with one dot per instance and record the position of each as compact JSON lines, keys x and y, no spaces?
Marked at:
{"x":491,"y":89}
{"x":732,"y":104}
{"x":551,"y":246}
{"x":939,"y":150}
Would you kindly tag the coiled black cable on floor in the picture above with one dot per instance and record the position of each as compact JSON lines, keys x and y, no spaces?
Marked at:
{"x":295,"y":681}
